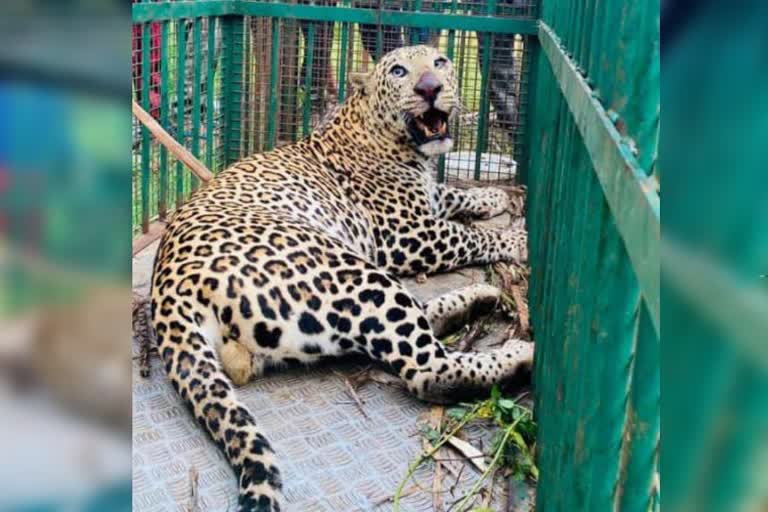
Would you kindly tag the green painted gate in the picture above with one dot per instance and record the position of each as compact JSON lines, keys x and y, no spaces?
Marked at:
{"x":230,"y":77}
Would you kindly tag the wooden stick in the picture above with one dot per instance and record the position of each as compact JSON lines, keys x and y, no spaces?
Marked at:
{"x":179,"y":151}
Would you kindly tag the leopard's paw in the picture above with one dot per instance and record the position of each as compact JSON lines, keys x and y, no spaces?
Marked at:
{"x":491,"y":202}
{"x":514,"y":245}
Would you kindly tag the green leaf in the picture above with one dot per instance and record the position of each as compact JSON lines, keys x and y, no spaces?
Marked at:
{"x":506,"y":403}
{"x":456,"y":413}
{"x":430,"y":433}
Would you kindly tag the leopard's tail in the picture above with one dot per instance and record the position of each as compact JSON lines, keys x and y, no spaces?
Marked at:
{"x":197,"y":376}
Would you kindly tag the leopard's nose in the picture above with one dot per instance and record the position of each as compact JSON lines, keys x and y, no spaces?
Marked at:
{"x":428,"y":86}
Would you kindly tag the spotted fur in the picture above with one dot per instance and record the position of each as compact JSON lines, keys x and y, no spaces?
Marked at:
{"x":291,"y":255}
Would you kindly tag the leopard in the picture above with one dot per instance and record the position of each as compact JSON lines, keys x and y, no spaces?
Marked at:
{"x":296,"y":255}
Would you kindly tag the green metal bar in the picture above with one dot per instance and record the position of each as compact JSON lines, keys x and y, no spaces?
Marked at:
{"x":342,"y":80}
{"x":614,"y":325}
{"x":482,"y":129}
{"x":146,"y":69}
{"x":273,"y":85}
{"x":591,"y":216}
{"x":450,"y":51}
{"x":164,"y":86}
{"x":309,"y":48}
{"x":547,"y":364}
{"x":524,"y":150}
{"x":232,"y":81}
{"x":574,"y":308}
{"x":637,"y":65}
{"x":181,"y":44}
{"x":642,"y":425}
{"x":155,"y":11}
{"x":196,"y":79}
{"x":209,"y":84}
{"x":379,"y":41}
{"x":561,"y":304}
{"x":631,"y":195}
{"x":414,"y":35}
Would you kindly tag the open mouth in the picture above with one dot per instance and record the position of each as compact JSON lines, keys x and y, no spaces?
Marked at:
{"x":429,"y":126}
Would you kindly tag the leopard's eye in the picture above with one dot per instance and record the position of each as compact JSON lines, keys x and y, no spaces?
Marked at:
{"x":440,"y":62}
{"x":398,"y":71}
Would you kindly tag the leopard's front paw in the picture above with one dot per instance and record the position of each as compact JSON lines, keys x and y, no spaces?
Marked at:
{"x":514,"y":245}
{"x":491,"y":202}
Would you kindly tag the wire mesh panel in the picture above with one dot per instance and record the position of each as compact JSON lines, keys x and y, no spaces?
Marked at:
{"x":177,"y":79}
{"x":229,"y":86}
{"x":313,"y":62}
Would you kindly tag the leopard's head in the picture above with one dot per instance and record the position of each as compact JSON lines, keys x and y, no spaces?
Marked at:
{"x":413,"y":91}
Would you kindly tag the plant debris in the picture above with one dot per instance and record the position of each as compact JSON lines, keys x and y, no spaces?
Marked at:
{"x":352,"y":392}
{"x":194,"y":495}
{"x":143,"y":332}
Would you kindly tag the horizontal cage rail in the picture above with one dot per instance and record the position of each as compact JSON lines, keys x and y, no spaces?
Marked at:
{"x":159,"y":11}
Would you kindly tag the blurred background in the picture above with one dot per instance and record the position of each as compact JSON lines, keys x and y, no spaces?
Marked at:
{"x":65,"y":236}
{"x":713,"y":161}
{"x":65,"y":255}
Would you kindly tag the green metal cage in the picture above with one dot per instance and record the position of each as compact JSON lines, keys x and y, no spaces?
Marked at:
{"x":561,"y":95}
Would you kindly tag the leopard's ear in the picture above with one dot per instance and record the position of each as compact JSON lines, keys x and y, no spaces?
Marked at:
{"x":360,"y":81}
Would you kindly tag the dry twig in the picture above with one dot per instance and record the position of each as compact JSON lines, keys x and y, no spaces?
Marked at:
{"x":353,"y":394}
{"x":194,"y":497}
{"x":435,"y":419}
{"x":407,"y":492}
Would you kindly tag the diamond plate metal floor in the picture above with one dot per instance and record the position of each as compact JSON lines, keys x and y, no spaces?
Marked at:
{"x":332,"y":458}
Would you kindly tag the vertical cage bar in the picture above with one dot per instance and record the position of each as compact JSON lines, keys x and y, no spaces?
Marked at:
{"x":273,"y":85}
{"x":248,"y":128}
{"x":164,"y":86}
{"x":615,"y":325}
{"x":309,"y":54}
{"x":642,"y":425}
{"x":450,"y":50}
{"x":558,"y":294}
{"x":342,"y":81}
{"x":181,"y":44}
{"x":531,"y":52}
{"x":482,"y":129}
{"x":146,"y":69}
{"x":590,"y":217}
{"x":209,"y":88}
{"x":232,"y":81}
{"x":414,"y":32}
{"x":196,"y":79}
